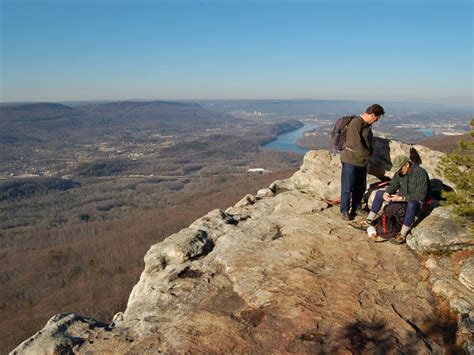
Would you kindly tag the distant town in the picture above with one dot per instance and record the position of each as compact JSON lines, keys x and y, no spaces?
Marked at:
{"x":83,"y":134}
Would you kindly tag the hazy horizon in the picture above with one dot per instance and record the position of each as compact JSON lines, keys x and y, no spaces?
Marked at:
{"x":383,"y":102}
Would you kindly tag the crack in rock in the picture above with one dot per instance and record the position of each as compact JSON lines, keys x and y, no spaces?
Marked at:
{"x":432,"y":346}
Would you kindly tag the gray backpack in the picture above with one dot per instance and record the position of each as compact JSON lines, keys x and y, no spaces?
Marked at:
{"x":338,"y":133}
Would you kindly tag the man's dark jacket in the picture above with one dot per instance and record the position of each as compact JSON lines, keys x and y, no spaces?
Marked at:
{"x":414,"y":185}
{"x":359,"y":139}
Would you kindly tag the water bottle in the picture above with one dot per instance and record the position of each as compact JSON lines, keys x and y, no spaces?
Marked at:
{"x":371,"y":232}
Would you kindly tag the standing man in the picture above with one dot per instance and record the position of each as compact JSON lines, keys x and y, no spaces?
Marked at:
{"x":354,"y":160}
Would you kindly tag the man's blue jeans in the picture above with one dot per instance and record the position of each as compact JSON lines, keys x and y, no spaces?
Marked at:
{"x":412,"y":208}
{"x":353,"y":184}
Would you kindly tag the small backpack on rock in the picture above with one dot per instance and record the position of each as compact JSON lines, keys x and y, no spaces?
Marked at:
{"x":338,"y":133}
{"x":390,"y":221}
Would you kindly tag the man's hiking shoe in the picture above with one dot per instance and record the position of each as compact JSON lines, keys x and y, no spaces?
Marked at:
{"x":359,"y":225}
{"x":345,"y":216}
{"x":362,"y":213}
{"x":381,"y":238}
{"x":398,"y":239}
{"x":362,"y":225}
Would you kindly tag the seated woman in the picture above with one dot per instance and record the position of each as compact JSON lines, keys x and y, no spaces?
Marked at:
{"x":410,"y":184}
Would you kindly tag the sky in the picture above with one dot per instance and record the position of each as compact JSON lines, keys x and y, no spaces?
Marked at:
{"x":399,"y":50}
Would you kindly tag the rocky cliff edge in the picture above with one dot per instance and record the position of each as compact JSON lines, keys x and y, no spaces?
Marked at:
{"x":280,"y":272}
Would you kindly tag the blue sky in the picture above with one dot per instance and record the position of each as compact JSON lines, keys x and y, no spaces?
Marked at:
{"x":362,"y":50}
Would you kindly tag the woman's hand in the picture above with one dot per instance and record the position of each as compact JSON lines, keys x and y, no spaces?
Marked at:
{"x":392,"y":198}
{"x":396,"y":198}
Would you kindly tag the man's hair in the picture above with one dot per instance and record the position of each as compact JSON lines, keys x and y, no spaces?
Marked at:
{"x":376,"y":109}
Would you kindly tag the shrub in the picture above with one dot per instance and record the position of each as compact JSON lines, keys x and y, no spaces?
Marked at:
{"x":458,"y":168}
{"x":84,"y":216}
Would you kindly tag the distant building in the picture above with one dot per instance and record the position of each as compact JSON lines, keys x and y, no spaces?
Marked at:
{"x":258,"y":170}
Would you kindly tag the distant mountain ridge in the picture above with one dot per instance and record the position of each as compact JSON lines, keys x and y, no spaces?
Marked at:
{"x":39,"y":122}
{"x":146,"y":113}
{"x":51,"y":121}
{"x":123,"y":107}
{"x":35,"y":112}
{"x":445,"y":143}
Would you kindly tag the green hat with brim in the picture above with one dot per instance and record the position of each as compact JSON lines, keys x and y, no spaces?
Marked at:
{"x":398,"y":162}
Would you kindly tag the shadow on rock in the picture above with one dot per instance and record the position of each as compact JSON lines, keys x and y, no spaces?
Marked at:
{"x":435,"y":196}
{"x":436,"y":336}
{"x":415,"y":156}
{"x":364,"y":336}
{"x":380,"y":161}
{"x":437,"y":187}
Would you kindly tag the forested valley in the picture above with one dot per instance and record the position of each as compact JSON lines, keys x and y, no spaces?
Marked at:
{"x":84,"y":195}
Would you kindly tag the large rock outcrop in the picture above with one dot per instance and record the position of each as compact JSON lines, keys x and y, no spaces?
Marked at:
{"x":437,"y":232}
{"x":277,"y":272}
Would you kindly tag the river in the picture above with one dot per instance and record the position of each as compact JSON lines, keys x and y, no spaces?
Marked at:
{"x":287,"y":141}
{"x":428,"y":132}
